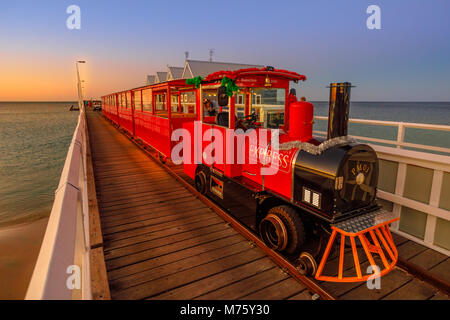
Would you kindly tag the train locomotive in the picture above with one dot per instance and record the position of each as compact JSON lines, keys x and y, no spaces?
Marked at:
{"x":307,"y":197}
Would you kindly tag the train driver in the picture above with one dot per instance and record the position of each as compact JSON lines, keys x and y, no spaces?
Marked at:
{"x":209,"y":108}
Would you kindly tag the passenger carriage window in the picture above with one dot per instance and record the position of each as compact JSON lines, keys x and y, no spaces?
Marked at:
{"x":160,"y":104}
{"x":210,"y":106}
{"x":188,"y":102}
{"x":240,"y":105}
{"x":128,"y":97}
{"x":174,"y":102}
{"x":123,"y":102}
{"x":147,"y":100}
{"x":137,"y":100}
{"x":269,"y":106}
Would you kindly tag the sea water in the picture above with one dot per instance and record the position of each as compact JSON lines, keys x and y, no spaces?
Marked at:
{"x":34,"y":140}
{"x":419,"y":112}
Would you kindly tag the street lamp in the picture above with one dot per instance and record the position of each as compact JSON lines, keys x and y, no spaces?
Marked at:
{"x":80,"y":91}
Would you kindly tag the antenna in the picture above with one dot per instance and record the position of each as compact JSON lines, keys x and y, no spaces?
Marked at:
{"x":186,"y":54}
{"x":211,"y":53}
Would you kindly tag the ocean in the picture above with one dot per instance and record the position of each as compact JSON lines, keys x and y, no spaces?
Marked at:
{"x":421,"y":112}
{"x":34,"y":139}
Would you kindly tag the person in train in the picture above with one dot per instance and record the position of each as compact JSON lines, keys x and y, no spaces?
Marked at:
{"x":209,"y":107}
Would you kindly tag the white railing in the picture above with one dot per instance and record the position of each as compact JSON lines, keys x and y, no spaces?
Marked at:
{"x":403,"y":157}
{"x":62,"y":268}
{"x":439,"y":164}
{"x":401,"y":127}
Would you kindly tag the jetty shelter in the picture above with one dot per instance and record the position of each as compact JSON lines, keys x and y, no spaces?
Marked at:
{"x":161,"y":76}
{"x":150,"y":80}
{"x":174,"y":73}
{"x":194,"y":68}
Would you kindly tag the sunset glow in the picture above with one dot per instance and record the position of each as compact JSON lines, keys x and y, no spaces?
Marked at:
{"x":123,"y":42}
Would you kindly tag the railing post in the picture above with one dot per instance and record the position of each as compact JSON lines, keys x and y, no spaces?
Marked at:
{"x":400,"y":134}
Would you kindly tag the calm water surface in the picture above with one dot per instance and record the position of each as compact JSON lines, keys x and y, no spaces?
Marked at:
{"x":422,"y":112}
{"x":34,"y":139}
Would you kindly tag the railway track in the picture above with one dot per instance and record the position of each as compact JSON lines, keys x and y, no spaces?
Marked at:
{"x":319,"y":290}
{"x":424,"y":275}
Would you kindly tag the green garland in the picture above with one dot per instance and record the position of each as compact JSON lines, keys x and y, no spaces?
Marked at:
{"x":230,"y":85}
{"x":195,"y":81}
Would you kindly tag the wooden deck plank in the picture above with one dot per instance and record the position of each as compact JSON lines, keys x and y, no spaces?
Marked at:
{"x":410,"y":249}
{"x":186,"y":228}
{"x":236,"y":290}
{"x":167,"y":225}
{"x":210,"y":284}
{"x":440,"y":296}
{"x":151,"y":220}
{"x":160,"y":285}
{"x":126,"y":265}
{"x":145,"y":214}
{"x":428,"y":259}
{"x":442,"y":270}
{"x":194,"y":236}
{"x":173,"y":263}
{"x":413,"y":290}
{"x":167,"y":254}
{"x":390,"y":282}
{"x":277,"y":291}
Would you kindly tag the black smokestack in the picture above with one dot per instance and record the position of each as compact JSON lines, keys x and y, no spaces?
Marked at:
{"x":339,"y":108}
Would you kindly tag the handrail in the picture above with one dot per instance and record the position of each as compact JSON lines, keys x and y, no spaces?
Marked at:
{"x":439,"y":164}
{"x":401,"y":126}
{"x":62,"y":268}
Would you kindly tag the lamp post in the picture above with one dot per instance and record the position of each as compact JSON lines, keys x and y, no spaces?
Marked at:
{"x":80,"y":92}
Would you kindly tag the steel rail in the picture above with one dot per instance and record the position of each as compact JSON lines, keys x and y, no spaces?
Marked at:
{"x":424,"y":275}
{"x":273,"y":255}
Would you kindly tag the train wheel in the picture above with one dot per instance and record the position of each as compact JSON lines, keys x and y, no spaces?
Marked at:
{"x":200,"y":182}
{"x":273,"y":232}
{"x":291,"y":222}
{"x":307,"y":264}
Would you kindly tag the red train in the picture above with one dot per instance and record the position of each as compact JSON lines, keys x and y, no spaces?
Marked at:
{"x":297,"y":191}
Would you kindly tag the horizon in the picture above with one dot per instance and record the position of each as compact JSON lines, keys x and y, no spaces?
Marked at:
{"x":404,"y":61}
{"x":313,"y":100}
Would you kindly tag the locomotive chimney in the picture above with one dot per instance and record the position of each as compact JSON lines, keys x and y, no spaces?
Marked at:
{"x":339,"y":108}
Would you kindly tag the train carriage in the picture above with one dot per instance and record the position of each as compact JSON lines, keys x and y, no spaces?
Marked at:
{"x":152,"y":113}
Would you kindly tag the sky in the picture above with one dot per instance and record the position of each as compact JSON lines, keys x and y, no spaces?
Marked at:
{"x":408,"y":59}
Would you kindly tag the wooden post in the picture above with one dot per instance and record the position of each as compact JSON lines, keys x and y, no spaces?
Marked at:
{"x":232,"y":112}
{"x":132,"y":110}
{"x":169,"y":104}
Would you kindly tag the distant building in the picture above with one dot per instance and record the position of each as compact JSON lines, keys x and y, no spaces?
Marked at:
{"x":174,"y":73}
{"x":161,"y":77}
{"x":194,"y":68}
{"x":150,"y":80}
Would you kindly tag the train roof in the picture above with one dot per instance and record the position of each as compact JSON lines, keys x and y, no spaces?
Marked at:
{"x":290,"y":75}
{"x":232,"y":74}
